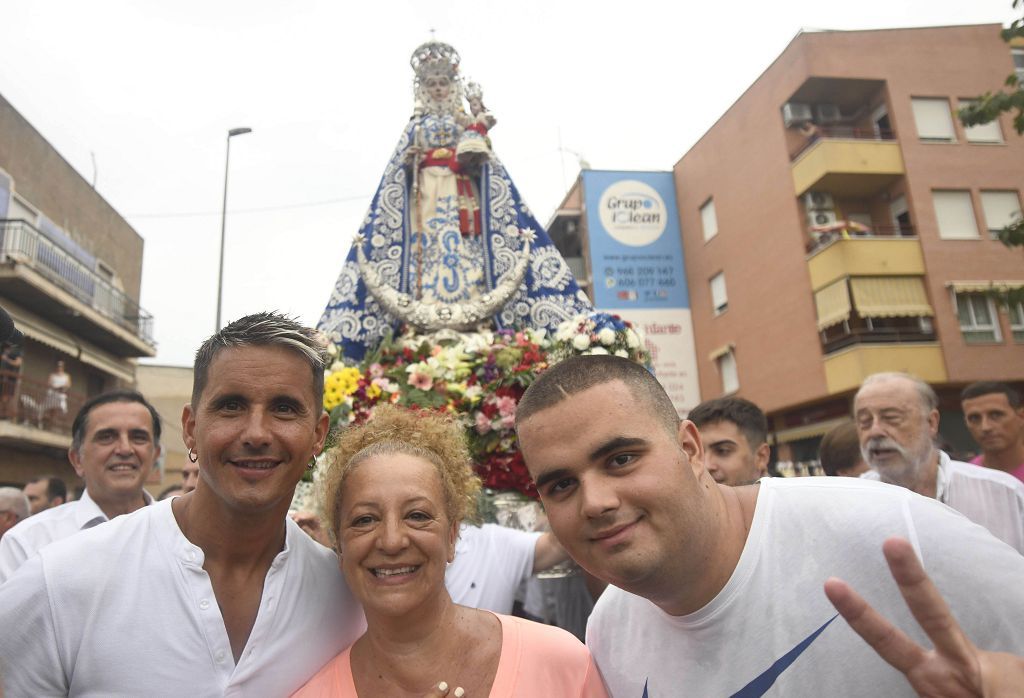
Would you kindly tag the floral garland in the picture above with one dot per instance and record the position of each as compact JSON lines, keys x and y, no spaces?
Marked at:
{"x":479,"y":376}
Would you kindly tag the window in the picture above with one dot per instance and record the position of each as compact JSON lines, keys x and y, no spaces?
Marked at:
{"x":1001,"y":208}
{"x":727,"y":369}
{"x":933,"y":119}
{"x":1016,"y":312}
{"x":977,"y":315}
{"x":719,"y":298}
{"x":708,"y":219}
{"x":955,"y":214}
{"x":982,"y":133}
{"x":1018,"y":63}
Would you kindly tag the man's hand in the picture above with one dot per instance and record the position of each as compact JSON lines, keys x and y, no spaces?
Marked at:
{"x":311,"y":524}
{"x":955,"y":667}
{"x":548,"y":552}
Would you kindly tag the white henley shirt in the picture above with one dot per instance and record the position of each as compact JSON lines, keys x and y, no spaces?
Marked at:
{"x":126,"y":609}
{"x":29,"y":536}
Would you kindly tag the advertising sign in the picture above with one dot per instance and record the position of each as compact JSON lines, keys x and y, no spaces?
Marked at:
{"x":636,"y":259}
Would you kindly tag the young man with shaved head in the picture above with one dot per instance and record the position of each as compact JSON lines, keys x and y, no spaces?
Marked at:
{"x":717,"y":590}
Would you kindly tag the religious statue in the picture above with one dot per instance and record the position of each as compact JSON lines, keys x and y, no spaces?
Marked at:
{"x":447,"y":242}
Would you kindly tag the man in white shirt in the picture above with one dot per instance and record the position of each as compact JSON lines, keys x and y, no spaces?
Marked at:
{"x":492,"y":562}
{"x":115,"y":440}
{"x":718,"y":590}
{"x":45,"y":492}
{"x":897,"y":420}
{"x":215,"y":592}
{"x":14,"y":507}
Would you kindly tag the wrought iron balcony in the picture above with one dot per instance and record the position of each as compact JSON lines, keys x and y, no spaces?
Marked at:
{"x":22,"y":244}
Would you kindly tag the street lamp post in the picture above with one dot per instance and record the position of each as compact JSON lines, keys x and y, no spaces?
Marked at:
{"x":224,"y":217}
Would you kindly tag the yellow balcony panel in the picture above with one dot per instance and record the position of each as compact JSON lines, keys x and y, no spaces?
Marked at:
{"x":866,"y":256}
{"x":849,"y":167}
{"x":846,"y":369}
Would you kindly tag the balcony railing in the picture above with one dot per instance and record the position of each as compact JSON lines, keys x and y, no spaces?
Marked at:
{"x":34,"y":404}
{"x":842,"y":132}
{"x":857,"y":331}
{"x":825,"y":236}
{"x":22,"y":243}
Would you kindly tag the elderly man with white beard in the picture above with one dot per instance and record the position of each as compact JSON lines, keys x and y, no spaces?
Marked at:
{"x":897,"y":420}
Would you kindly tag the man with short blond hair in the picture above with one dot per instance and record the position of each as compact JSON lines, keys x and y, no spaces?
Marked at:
{"x":897,"y":421}
{"x":215,"y":592}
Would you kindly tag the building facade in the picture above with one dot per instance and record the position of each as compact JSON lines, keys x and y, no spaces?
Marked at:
{"x":70,"y":274}
{"x":838,"y":220}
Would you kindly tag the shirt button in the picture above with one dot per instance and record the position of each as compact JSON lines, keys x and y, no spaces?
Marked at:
{"x":204,"y":604}
{"x":220,"y":656}
{"x":191,"y":555}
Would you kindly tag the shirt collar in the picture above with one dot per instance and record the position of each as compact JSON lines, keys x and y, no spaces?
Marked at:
{"x":942,"y":476}
{"x":89,"y":514}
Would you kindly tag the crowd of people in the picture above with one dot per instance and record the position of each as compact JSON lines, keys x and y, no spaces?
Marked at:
{"x":720,"y":581}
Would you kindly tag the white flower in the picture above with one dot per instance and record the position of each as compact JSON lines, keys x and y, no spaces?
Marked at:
{"x":632,"y":341}
{"x":580,"y":342}
{"x":622,"y":353}
{"x":332,"y":349}
{"x":606,"y":336}
{"x":336,"y":366}
{"x":598,"y":351}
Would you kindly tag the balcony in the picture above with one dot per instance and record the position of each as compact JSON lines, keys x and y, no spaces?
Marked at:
{"x":845,"y":370}
{"x":40,"y":275}
{"x":835,"y":257}
{"x":31,"y":414}
{"x":847,"y":161}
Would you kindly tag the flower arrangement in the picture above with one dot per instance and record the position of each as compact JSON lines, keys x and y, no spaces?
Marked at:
{"x":600,"y":333}
{"x":480,"y":376}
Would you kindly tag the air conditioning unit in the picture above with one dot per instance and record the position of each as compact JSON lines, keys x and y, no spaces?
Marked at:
{"x":828,"y":113}
{"x":795,"y":113}
{"x":821,"y":217}
{"x":818,"y":200}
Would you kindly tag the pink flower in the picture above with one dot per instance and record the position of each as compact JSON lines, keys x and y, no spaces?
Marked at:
{"x":483,"y":424}
{"x":376,"y":370}
{"x":508,"y":421}
{"x":506,"y":407}
{"x":421,"y":381}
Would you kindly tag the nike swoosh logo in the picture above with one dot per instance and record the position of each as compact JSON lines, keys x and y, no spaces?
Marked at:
{"x":759,"y":686}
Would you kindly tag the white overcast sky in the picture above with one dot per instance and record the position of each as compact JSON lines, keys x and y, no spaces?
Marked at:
{"x":149,"y":89}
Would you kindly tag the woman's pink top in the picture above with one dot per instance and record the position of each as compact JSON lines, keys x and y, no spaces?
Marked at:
{"x":536,"y":661}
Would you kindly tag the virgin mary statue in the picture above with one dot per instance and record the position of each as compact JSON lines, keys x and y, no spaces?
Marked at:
{"x":447,"y":233}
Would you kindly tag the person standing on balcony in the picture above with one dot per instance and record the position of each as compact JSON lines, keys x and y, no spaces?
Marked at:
{"x":58,"y":384}
{"x":115,"y":440}
{"x":994,"y":413}
{"x":10,"y":377}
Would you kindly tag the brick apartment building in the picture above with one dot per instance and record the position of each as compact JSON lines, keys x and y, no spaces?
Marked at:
{"x":70,"y":273}
{"x":837,"y":221}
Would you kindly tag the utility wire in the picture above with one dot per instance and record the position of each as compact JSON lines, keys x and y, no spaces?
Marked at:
{"x":260,"y":209}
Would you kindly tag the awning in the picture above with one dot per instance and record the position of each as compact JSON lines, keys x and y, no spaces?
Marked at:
{"x":808,"y":431}
{"x":890,"y":296}
{"x":721,"y":351}
{"x":51,"y":335}
{"x":983,"y":286}
{"x":833,"y":304}
{"x":42,"y":331}
{"x":107,"y":364}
